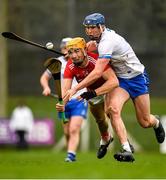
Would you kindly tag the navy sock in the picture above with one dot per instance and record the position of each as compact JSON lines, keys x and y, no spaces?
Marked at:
{"x":72,"y":156}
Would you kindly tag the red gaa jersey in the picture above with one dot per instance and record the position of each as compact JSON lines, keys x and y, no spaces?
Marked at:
{"x":80,"y":73}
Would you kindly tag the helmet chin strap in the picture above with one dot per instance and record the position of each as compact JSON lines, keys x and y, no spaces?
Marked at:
{"x":97,"y":39}
{"x":101,"y":28}
{"x":84,"y":53}
{"x":101,"y":31}
{"x":78,"y":63}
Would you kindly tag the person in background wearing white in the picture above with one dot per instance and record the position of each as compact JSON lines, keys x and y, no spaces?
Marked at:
{"x":21,"y":123}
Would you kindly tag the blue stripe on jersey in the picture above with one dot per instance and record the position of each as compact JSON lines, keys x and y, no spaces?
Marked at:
{"x":106,"y":56}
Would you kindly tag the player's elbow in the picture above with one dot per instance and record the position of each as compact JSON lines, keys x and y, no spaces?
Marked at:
{"x":114,"y":83}
{"x":41,"y":80}
{"x":44,"y":78}
{"x":98,"y":74}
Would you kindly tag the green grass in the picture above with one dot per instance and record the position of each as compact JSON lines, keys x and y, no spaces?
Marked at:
{"x":49,"y":164}
{"x":45,"y":163}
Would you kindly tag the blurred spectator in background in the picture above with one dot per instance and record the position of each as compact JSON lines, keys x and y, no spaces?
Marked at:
{"x":21,"y":123}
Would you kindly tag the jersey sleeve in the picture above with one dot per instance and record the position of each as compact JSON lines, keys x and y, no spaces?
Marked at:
{"x":68,"y":74}
{"x":96,"y":56}
{"x":48,"y":72}
{"x":105,"y":49}
{"x":92,"y":54}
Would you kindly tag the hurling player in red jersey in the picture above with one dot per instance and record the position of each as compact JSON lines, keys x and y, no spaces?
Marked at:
{"x":79,"y":65}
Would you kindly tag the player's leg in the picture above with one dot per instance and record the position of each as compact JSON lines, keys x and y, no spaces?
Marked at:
{"x":66,"y":125}
{"x":142,"y":108}
{"x":74,"y":131}
{"x":98,"y":112}
{"x":66,"y":132}
{"x":103,"y":125}
{"x":145,"y":119}
{"x":139,"y":92}
{"x":113,"y":105}
{"x":76,"y":111}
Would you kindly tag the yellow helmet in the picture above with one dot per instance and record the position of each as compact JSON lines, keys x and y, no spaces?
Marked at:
{"x":77,"y":42}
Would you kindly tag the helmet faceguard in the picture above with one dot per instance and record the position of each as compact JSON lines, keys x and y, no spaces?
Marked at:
{"x":94,"y":19}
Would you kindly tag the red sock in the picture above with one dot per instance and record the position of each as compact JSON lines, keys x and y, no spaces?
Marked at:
{"x":105,"y":136}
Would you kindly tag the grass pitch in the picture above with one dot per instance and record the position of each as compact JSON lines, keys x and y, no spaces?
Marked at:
{"x":46,"y":164}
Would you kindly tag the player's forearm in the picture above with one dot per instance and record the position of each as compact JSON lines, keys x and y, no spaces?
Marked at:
{"x":94,"y":75}
{"x":111,"y":81}
{"x":67,"y":84}
{"x":90,"y":79}
{"x":44,"y":81}
{"x":107,"y":87}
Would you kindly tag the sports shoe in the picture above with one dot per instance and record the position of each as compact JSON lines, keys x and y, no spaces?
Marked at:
{"x":103,"y":149}
{"x":124,"y":156}
{"x":132,"y":148}
{"x":160,"y":133}
{"x":69,"y":160}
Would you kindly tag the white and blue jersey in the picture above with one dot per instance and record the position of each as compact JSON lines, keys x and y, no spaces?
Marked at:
{"x":124,"y":62}
{"x":123,"y":59}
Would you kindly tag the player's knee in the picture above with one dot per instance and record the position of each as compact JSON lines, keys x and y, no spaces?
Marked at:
{"x":113,"y":112}
{"x":74,"y":131}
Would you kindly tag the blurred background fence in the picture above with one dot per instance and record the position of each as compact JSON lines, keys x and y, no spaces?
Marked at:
{"x":142,"y":23}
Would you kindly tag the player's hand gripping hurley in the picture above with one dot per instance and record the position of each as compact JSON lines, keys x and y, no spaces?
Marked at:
{"x":54,"y":65}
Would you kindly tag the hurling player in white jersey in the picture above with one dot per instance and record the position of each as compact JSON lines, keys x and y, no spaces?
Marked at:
{"x":75,"y":110}
{"x":133,"y":81}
